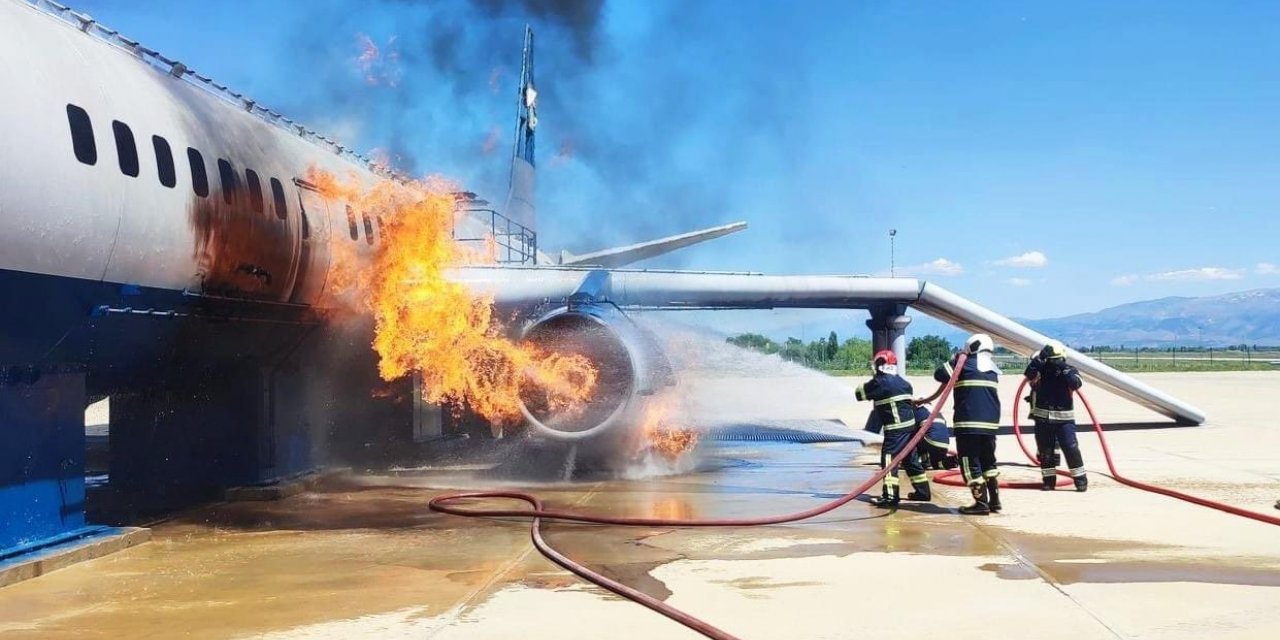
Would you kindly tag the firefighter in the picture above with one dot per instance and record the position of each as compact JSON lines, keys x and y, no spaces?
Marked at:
{"x":1053,"y":385}
{"x":933,"y":448}
{"x":891,"y":395}
{"x":976,"y":417}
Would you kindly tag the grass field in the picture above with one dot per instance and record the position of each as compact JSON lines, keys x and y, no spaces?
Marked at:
{"x":1169,"y":364}
{"x":1142,"y":362}
{"x":1191,"y":361}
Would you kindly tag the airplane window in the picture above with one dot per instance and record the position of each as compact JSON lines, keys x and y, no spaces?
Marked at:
{"x":351,"y":224}
{"x":255,"y":190}
{"x":382,"y":227}
{"x":82,"y":135}
{"x":368,"y":227}
{"x":199,"y":179}
{"x":277,"y":195}
{"x":164,"y":161}
{"x":126,"y":150}
{"x":229,"y":183}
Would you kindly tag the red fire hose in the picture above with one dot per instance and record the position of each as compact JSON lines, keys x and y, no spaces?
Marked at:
{"x":1111,"y":465}
{"x":538,"y":512}
{"x":948,"y":478}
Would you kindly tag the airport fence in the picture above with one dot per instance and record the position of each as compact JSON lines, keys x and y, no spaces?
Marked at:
{"x":1173,"y":359}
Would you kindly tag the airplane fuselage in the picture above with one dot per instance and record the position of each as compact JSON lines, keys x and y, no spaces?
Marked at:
{"x":138,"y":200}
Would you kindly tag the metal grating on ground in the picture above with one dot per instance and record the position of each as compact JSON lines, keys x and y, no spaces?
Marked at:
{"x":805,"y":431}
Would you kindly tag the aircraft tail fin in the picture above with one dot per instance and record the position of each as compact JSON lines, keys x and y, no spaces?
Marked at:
{"x":520,"y":205}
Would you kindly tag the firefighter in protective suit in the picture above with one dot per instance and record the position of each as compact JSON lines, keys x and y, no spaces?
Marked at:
{"x":891,"y":396}
{"x":933,"y":448}
{"x":976,"y":418}
{"x":1053,"y":385}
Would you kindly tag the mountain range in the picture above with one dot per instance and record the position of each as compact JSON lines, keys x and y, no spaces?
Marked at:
{"x":1245,"y":317}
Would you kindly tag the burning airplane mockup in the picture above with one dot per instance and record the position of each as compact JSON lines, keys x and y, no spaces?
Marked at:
{"x":221,"y":271}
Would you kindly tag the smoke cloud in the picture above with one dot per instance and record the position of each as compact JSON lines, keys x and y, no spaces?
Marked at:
{"x":649,"y":115}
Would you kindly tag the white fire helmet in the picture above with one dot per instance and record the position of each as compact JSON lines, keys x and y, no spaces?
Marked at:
{"x":982,"y":347}
{"x":979,"y":342}
{"x":1053,"y":350}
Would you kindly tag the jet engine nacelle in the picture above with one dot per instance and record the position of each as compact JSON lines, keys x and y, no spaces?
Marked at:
{"x":630,"y":367}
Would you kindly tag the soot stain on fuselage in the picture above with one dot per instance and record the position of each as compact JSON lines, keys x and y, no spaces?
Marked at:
{"x":241,"y":253}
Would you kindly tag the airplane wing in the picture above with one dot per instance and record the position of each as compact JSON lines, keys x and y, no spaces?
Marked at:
{"x":650,"y":289}
{"x":623,"y":256}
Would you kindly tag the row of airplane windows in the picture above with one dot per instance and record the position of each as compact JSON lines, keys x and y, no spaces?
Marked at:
{"x":86,"y":151}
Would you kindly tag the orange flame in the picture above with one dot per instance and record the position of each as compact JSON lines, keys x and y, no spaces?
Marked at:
{"x":428,"y":324}
{"x":661,"y":434}
{"x":377,"y":67}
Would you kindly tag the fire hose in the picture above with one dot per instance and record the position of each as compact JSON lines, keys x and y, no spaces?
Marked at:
{"x":949,"y":477}
{"x":444,"y":504}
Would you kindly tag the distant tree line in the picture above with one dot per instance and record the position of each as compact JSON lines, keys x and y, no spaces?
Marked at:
{"x":928,"y":351}
{"x":853,"y":354}
{"x":1106,"y":348}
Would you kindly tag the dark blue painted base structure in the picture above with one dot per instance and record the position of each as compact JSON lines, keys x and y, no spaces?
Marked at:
{"x":41,"y":460}
{"x":207,"y":393}
{"x":189,"y":442}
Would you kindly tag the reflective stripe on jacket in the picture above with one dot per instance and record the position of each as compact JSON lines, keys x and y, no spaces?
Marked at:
{"x":892,"y":397}
{"x":977,"y":403}
{"x":1053,"y":390}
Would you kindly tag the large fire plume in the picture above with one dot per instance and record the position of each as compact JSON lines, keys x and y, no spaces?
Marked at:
{"x":430,"y":325}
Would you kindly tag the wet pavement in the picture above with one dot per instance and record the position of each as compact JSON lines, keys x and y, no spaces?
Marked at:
{"x":361,"y":556}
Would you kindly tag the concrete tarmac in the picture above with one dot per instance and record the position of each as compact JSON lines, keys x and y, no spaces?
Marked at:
{"x":362,"y":557}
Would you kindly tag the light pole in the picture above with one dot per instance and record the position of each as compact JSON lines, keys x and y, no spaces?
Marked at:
{"x":892,"y":266}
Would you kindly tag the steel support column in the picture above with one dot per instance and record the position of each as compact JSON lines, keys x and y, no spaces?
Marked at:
{"x":888,"y":326}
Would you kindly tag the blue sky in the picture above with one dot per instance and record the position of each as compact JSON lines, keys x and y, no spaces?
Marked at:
{"x":1041,"y":158}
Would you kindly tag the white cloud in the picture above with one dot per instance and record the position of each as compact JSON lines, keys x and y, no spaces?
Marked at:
{"x":1267,"y":269}
{"x":1203,"y":273}
{"x":939,"y":267}
{"x":1028,"y":260}
{"x":1019,"y":282}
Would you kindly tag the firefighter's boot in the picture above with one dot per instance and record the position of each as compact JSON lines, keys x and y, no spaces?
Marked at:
{"x":888,"y":499}
{"x":993,"y":495}
{"x":920,"y":492}
{"x":979,"y":506}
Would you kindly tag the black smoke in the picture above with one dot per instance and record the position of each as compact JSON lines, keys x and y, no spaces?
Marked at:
{"x":648,"y":123}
